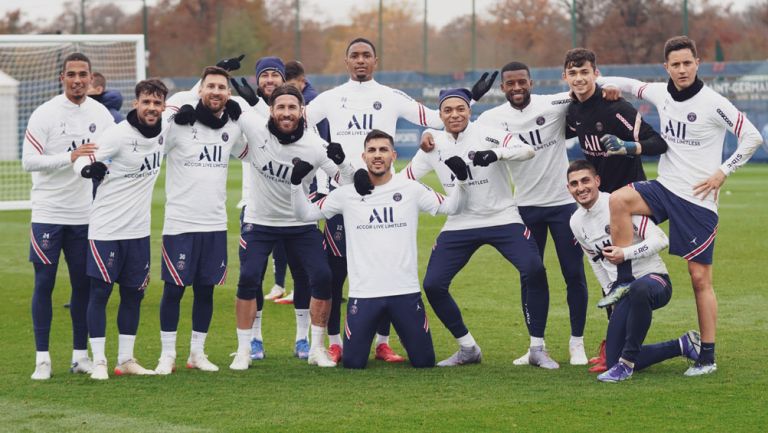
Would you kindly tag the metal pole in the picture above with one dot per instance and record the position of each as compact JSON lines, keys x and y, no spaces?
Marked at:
{"x":297,"y":39}
{"x":573,"y":23}
{"x":218,"y":31}
{"x":426,"y":47}
{"x":145,"y":25}
{"x":381,"y":34}
{"x":474,"y":37}
{"x":685,"y":17}
{"x":82,"y":17}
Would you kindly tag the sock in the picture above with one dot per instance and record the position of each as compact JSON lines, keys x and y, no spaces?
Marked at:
{"x":707,"y":355}
{"x":576,"y":340}
{"x":467,"y":340}
{"x":42,"y":357}
{"x":302,"y":324}
{"x":244,"y":340}
{"x":256,"y":328}
{"x":334,"y":339}
{"x":125,"y":348}
{"x":97,"y":348}
{"x":537,"y":341}
{"x":627,"y":363}
{"x":197,"y":342}
{"x":77,"y":355}
{"x":318,"y":337}
{"x":382,"y":339}
{"x":168,"y":343}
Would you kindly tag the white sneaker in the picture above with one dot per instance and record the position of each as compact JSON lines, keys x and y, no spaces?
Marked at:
{"x":82,"y":365}
{"x":277,"y":292}
{"x":241,"y":362}
{"x":288,"y":299}
{"x":523,"y":360}
{"x":42,"y":371}
{"x":166,"y":365}
{"x":578,"y":355}
{"x":132,"y":367}
{"x":319,"y":357}
{"x":200,"y":361}
{"x":100,"y":371}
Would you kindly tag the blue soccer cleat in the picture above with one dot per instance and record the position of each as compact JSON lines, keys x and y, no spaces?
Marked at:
{"x":619,"y":372}
{"x":257,"y":350}
{"x":302,"y":349}
{"x":690,"y":345}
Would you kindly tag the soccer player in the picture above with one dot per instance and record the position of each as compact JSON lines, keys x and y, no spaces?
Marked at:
{"x":273,"y":145}
{"x":381,"y":217}
{"x":111,"y":99}
{"x":127,"y":163}
{"x":489,"y":218}
{"x":60,"y":131}
{"x":194,"y":249}
{"x":694,"y":120}
{"x":650,"y":290}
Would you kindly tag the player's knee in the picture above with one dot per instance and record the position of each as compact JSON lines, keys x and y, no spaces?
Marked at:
{"x":619,"y":200}
{"x":424,"y":360}
{"x":701,"y":278}
{"x":354,"y":362}
{"x":172,"y":293}
{"x":247,"y":293}
{"x":434,"y":284}
{"x":640,"y":292}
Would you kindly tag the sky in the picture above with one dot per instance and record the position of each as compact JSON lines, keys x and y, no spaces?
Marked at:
{"x":439,"y":12}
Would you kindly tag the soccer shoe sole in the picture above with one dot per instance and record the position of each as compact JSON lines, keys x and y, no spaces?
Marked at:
{"x":700,"y":370}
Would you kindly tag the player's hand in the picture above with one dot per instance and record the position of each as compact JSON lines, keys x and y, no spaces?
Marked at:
{"x":611,"y":93}
{"x":484,"y":158}
{"x":300,"y":170}
{"x":317,"y":197}
{"x":458,"y":167}
{"x":231,"y":64}
{"x":84,"y":149}
{"x":613,"y":254}
{"x":613,"y":145}
{"x":363,"y":184}
{"x":335,"y":153}
{"x":95,"y":171}
{"x":427,"y":142}
{"x":185,"y":116}
{"x":711,"y":185}
{"x":245,"y":91}
{"x":483,"y":86}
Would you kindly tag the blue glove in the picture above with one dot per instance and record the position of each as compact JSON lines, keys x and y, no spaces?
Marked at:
{"x":613,"y":145}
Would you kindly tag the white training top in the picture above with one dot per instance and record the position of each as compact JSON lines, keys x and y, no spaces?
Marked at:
{"x":55,"y":129}
{"x":123,"y":203}
{"x":490,"y":200}
{"x":592,"y":229}
{"x":540,"y":181}
{"x":695,"y":130}
{"x":381,"y":230}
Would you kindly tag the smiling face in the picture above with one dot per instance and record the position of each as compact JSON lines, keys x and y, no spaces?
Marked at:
{"x":361,"y":61}
{"x":517,"y":86}
{"x":581,"y":80}
{"x":149,"y":108}
{"x":268,"y":81}
{"x":214,"y":92}
{"x":286,"y":112}
{"x":379,"y":155}
{"x":455,"y":114}
{"x":682,"y":65}
{"x":584,"y":187}
{"x":76,"y":78}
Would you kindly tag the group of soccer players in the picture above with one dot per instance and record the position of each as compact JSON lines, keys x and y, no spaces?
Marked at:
{"x":506,"y":177}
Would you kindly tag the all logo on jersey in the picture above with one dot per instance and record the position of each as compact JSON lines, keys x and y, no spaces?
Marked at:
{"x":592,"y":143}
{"x":383,"y":215}
{"x":377,"y":105}
{"x":397,"y":196}
{"x":151,"y":162}
{"x":92,"y":127}
{"x":211,"y":153}
{"x":675,"y":129}
{"x":533,"y":138}
{"x":224,"y":137}
{"x":691,"y":117}
{"x":361,"y":121}
{"x":540,"y":120}
{"x":276,"y":169}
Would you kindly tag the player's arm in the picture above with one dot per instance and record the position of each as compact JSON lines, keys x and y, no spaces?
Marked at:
{"x":95,"y":166}
{"x":317,"y":111}
{"x":508,"y":148}
{"x":303,"y":209}
{"x":653,"y":240}
{"x":594,"y":259}
{"x":415,"y":112}
{"x":435,"y":203}
{"x":418,"y":167}
{"x":33,"y":154}
{"x":335,"y":164}
{"x":629,"y":134}
{"x":651,"y":92}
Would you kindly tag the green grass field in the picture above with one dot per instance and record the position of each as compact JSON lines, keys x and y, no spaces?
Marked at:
{"x":284,"y":394}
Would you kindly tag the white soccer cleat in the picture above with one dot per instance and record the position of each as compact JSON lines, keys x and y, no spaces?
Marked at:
{"x":132,"y":367}
{"x":42,"y":371}
{"x":277,"y":292}
{"x":166,"y":365}
{"x":241,"y":362}
{"x":523,"y":360}
{"x":200,"y":361}
{"x":285,"y":300}
{"x":82,"y":365}
{"x":100,"y":371}
{"x":578,"y":355}
{"x":319,"y":356}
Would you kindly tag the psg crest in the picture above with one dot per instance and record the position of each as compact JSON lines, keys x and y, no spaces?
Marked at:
{"x":471,"y":155}
{"x":180,"y":265}
{"x":691,"y":117}
{"x":353,"y":309}
{"x":599,"y":127}
{"x":160,"y":140}
{"x":397,"y":196}
{"x":92,"y":127}
{"x":224,"y":136}
{"x":540,"y":120}
{"x":377,"y":105}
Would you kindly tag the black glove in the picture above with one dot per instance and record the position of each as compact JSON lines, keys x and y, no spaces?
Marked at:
{"x":231,"y":64}
{"x":317,"y":197}
{"x":95,"y":171}
{"x":335,"y":153}
{"x":300,"y":169}
{"x":457,"y":166}
{"x":185,"y":116}
{"x":483,"y":86}
{"x":245,"y":91}
{"x":484,"y":158}
{"x":363,"y":184}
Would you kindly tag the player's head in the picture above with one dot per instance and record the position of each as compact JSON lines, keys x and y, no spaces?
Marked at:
{"x":516,"y":83}
{"x":76,"y":77}
{"x":286,"y":107}
{"x":294,"y":74}
{"x":379,"y":153}
{"x":361,"y":59}
{"x":681,"y":61}
{"x":583,"y":182}
{"x":580,"y":72}
{"x":454,"y":109}
{"x":270,"y":74}
{"x":98,"y":84}
{"x":150,"y":101}
{"x":214,"y":88}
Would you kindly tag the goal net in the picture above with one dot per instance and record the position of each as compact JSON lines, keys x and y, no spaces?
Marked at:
{"x":29,"y":76}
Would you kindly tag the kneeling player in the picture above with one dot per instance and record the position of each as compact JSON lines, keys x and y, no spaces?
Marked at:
{"x":381,"y":232}
{"x":650,"y":290}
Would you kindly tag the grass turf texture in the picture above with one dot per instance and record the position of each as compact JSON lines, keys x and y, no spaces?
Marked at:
{"x":282,"y":393}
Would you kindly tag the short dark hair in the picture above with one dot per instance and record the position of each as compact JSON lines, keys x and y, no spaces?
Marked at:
{"x":363,"y":40}
{"x":679,"y":43}
{"x":286,"y":89}
{"x":576,"y":57}
{"x":581,"y":164}
{"x":214,"y":70}
{"x":378,"y":133}
{"x":98,"y":80}
{"x":515,"y":66}
{"x":293,"y":69}
{"x":75,"y":57}
{"x":151,"y":86}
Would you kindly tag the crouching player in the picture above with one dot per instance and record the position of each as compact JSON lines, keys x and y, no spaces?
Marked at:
{"x":650,"y":290}
{"x":381,"y":215}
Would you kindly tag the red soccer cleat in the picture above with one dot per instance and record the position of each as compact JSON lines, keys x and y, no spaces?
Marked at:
{"x":385,"y":353}
{"x":598,"y":368}
{"x":600,"y":358}
{"x":334,"y":352}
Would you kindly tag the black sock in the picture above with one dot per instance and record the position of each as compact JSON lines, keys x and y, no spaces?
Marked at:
{"x":707,"y":354}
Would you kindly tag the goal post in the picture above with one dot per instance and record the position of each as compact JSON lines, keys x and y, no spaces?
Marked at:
{"x":29,"y":76}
